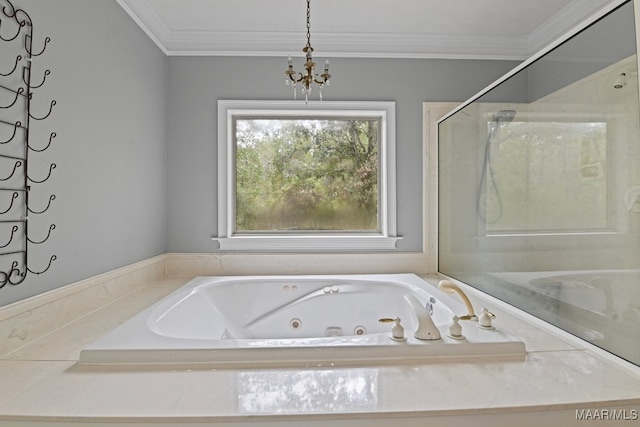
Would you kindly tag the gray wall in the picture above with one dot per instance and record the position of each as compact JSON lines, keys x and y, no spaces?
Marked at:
{"x":197,"y":83}
{"x":136,"y":145}
{"x":109,"y":81}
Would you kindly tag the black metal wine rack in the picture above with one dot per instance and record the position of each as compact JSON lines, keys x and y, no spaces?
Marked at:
{"x":17,"y":98}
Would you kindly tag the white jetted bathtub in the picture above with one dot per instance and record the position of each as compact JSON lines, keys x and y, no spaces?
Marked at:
{"x":294,"y":320}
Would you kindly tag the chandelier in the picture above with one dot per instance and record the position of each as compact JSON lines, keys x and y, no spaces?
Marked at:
{"x":309,"y":77}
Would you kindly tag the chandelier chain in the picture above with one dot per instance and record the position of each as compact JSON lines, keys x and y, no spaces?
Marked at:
{"x":309,"y":23}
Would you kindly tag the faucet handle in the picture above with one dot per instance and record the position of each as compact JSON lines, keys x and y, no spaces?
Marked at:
{"x":455,"y":329}
{"x":397,"y":330}
{"x":486,"y":318}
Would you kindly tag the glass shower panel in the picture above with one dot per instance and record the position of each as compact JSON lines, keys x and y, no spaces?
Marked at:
{"x":539,"y":188}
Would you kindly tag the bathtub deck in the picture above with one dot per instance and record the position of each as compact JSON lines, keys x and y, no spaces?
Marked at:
{"x":43,"y":384}
{"x":191,"y":338}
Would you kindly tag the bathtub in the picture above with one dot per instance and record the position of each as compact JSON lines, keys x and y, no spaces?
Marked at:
{"x":269,"y":321}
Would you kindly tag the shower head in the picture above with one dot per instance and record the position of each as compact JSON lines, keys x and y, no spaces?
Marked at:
{"x":498,"y":118}
{"x":504,"y":116}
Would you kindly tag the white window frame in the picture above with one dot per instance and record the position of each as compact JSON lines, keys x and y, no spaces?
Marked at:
{"x":383,"y":240}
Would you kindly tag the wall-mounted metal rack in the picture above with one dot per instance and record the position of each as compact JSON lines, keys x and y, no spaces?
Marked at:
{"x":17,"y":98}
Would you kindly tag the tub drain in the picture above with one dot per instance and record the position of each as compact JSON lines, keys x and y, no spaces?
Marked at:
{"x":295,"y":323}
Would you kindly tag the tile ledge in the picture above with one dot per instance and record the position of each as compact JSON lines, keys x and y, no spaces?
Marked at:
{"x":611,"y":360}
{"x":36,"y":301}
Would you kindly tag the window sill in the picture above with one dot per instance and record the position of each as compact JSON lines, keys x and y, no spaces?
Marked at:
{"x":333,"y":243}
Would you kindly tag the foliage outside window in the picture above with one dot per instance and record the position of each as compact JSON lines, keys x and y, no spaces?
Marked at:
{"x":309,"y":175}
{"x":315,"y":177}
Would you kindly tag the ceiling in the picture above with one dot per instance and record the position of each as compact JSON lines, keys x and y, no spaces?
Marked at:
{"x":471,"y":29}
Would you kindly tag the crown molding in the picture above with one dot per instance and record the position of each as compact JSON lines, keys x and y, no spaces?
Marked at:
{"x":148,"y":20}
{"x":353,"y":45}
{"x":564,"y":21}
{"x":357,"y":45}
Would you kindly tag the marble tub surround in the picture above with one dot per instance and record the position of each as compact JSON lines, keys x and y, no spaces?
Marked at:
{"x":557,"y":377}
{"x":220,"y":264}
{"x":59,"y":391}
{"x":28,"y":320}
{"x":65,"y":343}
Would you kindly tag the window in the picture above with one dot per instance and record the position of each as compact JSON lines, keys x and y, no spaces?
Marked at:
{"x":306,"y":177}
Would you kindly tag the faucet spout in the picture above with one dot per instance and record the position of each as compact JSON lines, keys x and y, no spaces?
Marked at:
{"x":427,"y":330}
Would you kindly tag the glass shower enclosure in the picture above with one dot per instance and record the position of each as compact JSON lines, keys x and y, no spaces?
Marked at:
{"x":539,"y":186}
